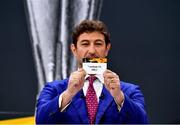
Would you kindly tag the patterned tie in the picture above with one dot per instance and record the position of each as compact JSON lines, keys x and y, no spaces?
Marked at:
{"x":91,"y":100}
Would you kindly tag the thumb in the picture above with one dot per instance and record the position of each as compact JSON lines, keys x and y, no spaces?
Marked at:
{"x":82,"y":70}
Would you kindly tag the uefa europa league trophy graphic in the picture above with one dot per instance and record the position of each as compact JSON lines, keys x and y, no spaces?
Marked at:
{"x":50,"y":25}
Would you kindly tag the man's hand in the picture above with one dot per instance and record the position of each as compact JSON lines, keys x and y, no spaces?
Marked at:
{"x":112,"y":83}
{"x":76,"y":82}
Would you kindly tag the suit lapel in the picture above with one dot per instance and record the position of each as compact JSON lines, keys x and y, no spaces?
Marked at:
{"x":104,"y":103}
{"x":78,"y":102}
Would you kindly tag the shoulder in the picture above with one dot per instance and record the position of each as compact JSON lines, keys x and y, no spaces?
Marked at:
{"x":126,"y":85}
{"x":130,"y":88}
{"x":57,"y":85}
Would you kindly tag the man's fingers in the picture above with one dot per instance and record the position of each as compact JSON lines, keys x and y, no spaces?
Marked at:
{"x":106,"y":72}
{"x":111,"y":80}
{"x":109,"y":73}
{"x":81,"y":70}
{"x":110,"y":76}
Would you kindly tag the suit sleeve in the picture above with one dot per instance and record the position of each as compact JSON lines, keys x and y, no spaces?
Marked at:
{"x":47,"y":108}
{"x":133,"y":109}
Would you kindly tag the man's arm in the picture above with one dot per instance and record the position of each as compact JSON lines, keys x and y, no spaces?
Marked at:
{"x":48,"y":102}
{"x":76,"y":83}
{"x":132,"y":99}
{"x":133,"y":109}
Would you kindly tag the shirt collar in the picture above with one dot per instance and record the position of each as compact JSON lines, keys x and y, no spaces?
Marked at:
{"x":99,"y":77}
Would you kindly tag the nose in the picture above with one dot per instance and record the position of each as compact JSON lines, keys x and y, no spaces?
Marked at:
{"x":92,"y":49}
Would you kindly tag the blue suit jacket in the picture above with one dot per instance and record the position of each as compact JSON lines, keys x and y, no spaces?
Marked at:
{"x":47,"y":110}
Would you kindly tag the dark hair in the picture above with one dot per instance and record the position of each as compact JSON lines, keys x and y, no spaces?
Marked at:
{"x":88,"y":26}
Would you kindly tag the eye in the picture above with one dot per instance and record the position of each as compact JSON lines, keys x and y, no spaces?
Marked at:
{"x":85,"y":44}
{"x":99,"y":43}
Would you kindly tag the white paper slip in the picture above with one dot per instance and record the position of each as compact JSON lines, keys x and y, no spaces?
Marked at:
{"x":94,"y":65}
{"x":94,"y":68}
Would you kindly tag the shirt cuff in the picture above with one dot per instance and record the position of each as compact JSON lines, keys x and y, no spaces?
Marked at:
{"x":60,"y":102}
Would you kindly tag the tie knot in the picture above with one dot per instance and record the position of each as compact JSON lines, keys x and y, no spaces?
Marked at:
{"x":91,"y":79}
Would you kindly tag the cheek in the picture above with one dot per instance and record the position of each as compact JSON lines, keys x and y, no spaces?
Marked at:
{"x":103,"y":52}
{"x":81,"y":53}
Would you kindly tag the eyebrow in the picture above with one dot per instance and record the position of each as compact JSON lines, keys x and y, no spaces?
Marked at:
{"x":84,"y":40}
{"x":96,"y":40}
{"x":99,"y":40}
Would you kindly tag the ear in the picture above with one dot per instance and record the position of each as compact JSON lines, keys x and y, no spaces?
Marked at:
{"x":73,"y":49}
{"x":108,"y":47}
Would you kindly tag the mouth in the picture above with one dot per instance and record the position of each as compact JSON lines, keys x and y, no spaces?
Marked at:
{"x":90,"y":57}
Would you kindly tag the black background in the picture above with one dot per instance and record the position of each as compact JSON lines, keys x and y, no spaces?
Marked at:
{"x":145,"y":38}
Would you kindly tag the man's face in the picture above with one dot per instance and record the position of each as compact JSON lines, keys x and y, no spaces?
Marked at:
{"x":90,"y":45}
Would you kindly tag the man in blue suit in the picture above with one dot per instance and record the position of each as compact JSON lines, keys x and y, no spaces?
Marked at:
{"x":115,"y":102}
